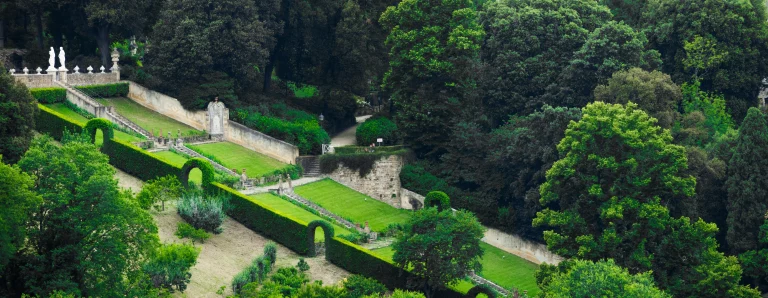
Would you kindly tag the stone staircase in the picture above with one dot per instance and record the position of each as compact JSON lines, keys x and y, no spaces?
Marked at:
{"x":129,"y":124}
{"x":311,"y":166}
{"x":190,"y":152}
{"x":477,"y":279}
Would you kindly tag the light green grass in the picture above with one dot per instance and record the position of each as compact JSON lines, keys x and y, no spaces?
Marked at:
{"x":297,"y":212}
{"x":148,"y":119}
{"x":508,"y":270}
{"x":351,"y":204}
{"x":237,"y":157}
{"x":63,"y":109}
{"x":178,"y":160}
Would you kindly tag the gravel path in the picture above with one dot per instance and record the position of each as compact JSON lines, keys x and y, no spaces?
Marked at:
{"x":347,"y":137}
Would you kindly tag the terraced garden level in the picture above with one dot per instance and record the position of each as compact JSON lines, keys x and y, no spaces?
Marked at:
{"x":66,"y":111}
{"x":350,"y":204}
{"x":146,"y":118}
{"x":290,"y":209}
{"x":178,"y":160}
{"x":237,"y":157}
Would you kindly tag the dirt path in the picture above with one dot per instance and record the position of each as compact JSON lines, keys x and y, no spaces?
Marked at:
{"x":347,"y":137}
{"x":226,"y":254}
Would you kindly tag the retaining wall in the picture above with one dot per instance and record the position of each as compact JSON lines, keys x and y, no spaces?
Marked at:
{"x":36,"y":80}
{"x":79,"y":79}
{"x":259,"y":142}
{"x":382,"y":183}
{"x":529,"y":250}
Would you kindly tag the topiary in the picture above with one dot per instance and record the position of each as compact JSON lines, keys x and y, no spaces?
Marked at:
{"x":205,"y":167}
{"x":328,"y":232}
{"x":437,"y":199}
{"x":99,"y":123}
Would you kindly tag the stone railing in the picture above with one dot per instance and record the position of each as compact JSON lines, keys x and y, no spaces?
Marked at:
{"x":480,"y":280}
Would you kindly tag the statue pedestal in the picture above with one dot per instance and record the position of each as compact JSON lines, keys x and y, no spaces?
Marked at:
{"x":62,"y":74}
{"x":51,"y":70}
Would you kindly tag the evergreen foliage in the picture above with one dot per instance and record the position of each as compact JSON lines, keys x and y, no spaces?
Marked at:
{"x":376,"y":127}
{"x":437,"y":199}
{"x":601,"y":279}
{"x":49,"y":95}
{"x":18,"y":110}
{"x":17,"y":200}
{"x":169,"y":269}
{"x":654,"y":92}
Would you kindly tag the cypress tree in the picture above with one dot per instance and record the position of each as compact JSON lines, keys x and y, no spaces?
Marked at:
{"x":747,"y":183}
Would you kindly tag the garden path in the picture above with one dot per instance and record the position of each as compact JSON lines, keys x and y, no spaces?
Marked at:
{"x":347,"y":137}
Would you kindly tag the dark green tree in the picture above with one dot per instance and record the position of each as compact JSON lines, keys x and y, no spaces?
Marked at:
{"x":18,"y":110}
{"x":601,"y":279}
{"x":755,"y":262}
{"x":17,"y":200}
{"x":747,"y":183}
{"x":169,"y":268}
{"x":106,"y":17}
{"x":439,"y":248}
{"x":654,"y":92}
{"x":434,"y":45}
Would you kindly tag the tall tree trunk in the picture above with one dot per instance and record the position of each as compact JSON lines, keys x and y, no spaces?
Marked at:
{"x":102,"y":40}
{"x":39,"y":25}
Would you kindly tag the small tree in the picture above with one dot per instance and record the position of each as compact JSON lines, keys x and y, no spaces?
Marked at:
{"x":160,"y":190}
{"x":169,"y":269}
{"x":439,"y":248}
{"x":601,"y":279}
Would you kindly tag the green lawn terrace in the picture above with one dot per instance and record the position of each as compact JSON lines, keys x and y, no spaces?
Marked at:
{"x":352,"y":205}
{"x":66,"y":111}
{"x":148,"y":119}
{"x":178,"y":160}
{"x":237,"y":157}
{"x":297,"y":212}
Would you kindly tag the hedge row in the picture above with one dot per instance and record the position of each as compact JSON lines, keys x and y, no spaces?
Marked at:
{"x":106,"y":90}
{"x":49,"y":95}
{"x":53,"y":123}
{"x":272,"y":223}
{"x":137,"y":162}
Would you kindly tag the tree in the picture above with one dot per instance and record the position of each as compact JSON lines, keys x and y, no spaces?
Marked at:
{"x":161,"y":190}
{"x":755,"y":261}
{"x":736,"y":32}
{"x":747,"y":183}
{"x":654,"y":92}
{"x":169,"y":269}
{"x":601,"y":279}
{"x":607,"y":195}
{"x":439,"y":248}
{"x":87,"y":237}
{"x":17,"y":199}
{"x":434,"y":44}
{"x":18,"y":110}
{"x":108,"y":16}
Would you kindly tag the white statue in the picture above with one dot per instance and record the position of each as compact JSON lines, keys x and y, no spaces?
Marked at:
{"x":216,"y":116}
{"x":51,"y":59}
{"x":62,"y":58}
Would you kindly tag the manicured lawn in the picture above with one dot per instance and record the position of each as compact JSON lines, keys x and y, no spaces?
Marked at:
{"x":508,"y":270}
{"x":234,"y":156}
{"x":63,"y":109}
{"x":178,"y":160}
{"x":148,"y":119}
{"x":297,"y":212}
{"x":351,"y":204}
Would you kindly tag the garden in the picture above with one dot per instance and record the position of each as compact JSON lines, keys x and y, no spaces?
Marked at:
{"x":148,"y":119}
{"x":236,"y":157}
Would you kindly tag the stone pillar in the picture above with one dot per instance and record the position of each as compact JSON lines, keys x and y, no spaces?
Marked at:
{"x":62,"y":75}
{"x":115,"y":69}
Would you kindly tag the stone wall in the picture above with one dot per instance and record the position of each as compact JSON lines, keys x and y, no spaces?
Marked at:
{"x":36,"y":80}
{"x":382,"y":183}
{"x":79,"y":79}
{"x":529,"y":250}
{"x":408,"y":198}
{"x":233,"y":132}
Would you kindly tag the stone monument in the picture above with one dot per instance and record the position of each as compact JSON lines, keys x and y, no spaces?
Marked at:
{"x":62,"y":59}
{"x":51,"y":60}
{"x":216,"y":114}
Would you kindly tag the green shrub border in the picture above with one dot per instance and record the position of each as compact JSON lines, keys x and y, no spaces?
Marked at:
{"x":49,"y":95}
{"x":53,"y":123}
{"x":100,"y":123}
{"x":328,"y":231}
{"x":437,"y":199}
{"x":204,"y":167}
{"x":105,"y":90}
{"x":482,"y":288}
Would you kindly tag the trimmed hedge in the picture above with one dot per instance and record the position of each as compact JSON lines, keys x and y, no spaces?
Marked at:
{"x":374,"y":128}
{"x":49,"y":95}
{"x":285,"y":229}
{"x":437,"y":199}
{"x":53,"y":123}
{"x":204,"y":166}
{"x":100,"y":123}
{"x":327,"y":231}
{"x":106,"y":90}
{"x":138,"y":162}
{"x":482,"y":288}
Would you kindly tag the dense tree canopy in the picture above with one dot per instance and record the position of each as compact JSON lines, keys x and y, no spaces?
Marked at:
{"x":17,"y":200}
{"x":601,"y":279}
{"x":18,"y":110}
{"x":654,"y":92}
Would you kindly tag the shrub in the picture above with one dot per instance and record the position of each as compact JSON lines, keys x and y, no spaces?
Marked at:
{"x":240,"y":280}
{"x":303,"y":266}
{"x":205,"y":167}
{"x":100,"y":123}
{"x":105,"y":90}
{"x":305,"y":134}
{"x":393,"y":229}
{"x":270,"y":252}
{"x":185,"y":230}
{"x":138,"y":162}
{"x":437,"y":199}
{"x":358,"y":286}
{"x":375,"y":128}
{"x":49,"y":95}
{"x":201,"y":212}
{"x":170,"y":267}
{"x":51,"y":122}
{"x":161,"y":190}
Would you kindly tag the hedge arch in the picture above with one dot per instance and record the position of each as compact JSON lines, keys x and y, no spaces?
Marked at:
{"x":204,"y":167}
{"x":437,"y":199}
{"x":328,"y":232}
{"x":485,"y":289}
{"x":99,"y":123}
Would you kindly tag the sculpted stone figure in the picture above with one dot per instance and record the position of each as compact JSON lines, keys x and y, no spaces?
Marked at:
{"x":62,"y":58}
{"x":51,"y":59}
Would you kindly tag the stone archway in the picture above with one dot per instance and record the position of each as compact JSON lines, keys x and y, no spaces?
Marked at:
{"x":485,"y":289}
{"x":102,"y":124}
{"x":205,"y":167}
{"x":328,"y":232}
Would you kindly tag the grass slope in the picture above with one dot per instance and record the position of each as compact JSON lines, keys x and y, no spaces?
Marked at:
{"x":297,"y":212}
{"x":234,"y":156}
{"x":63,"y":109}
{"x":178,"y":160}
{"x":351,"y":204}
{"x":148,"y":119}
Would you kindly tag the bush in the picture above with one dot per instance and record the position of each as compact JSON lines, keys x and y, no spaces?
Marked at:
{"x":170,"y":267}
{"x":185,"y":230}
{"x":358,"y":286}
{"x":51,"y":122}
{"x":437,"y":199}
{"x":302,"y":265}
{"x":161,"y":190}
{"x":201,"y":212}
{"x":375,"y":128}
{"x":305,"y":134}
{"x":270,"y":252}
{"x":105,"y":90}
{"x":49,"y":95}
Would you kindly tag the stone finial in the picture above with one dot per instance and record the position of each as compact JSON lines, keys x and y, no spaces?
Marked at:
{"x":26,"y":70}
{"x":90,"y":69}
{"x":13,"y":70}
{"x":102,"y":69}
{"x":77,"y":69}
{"x":115,"y":59}
{"x":39,"y":70}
